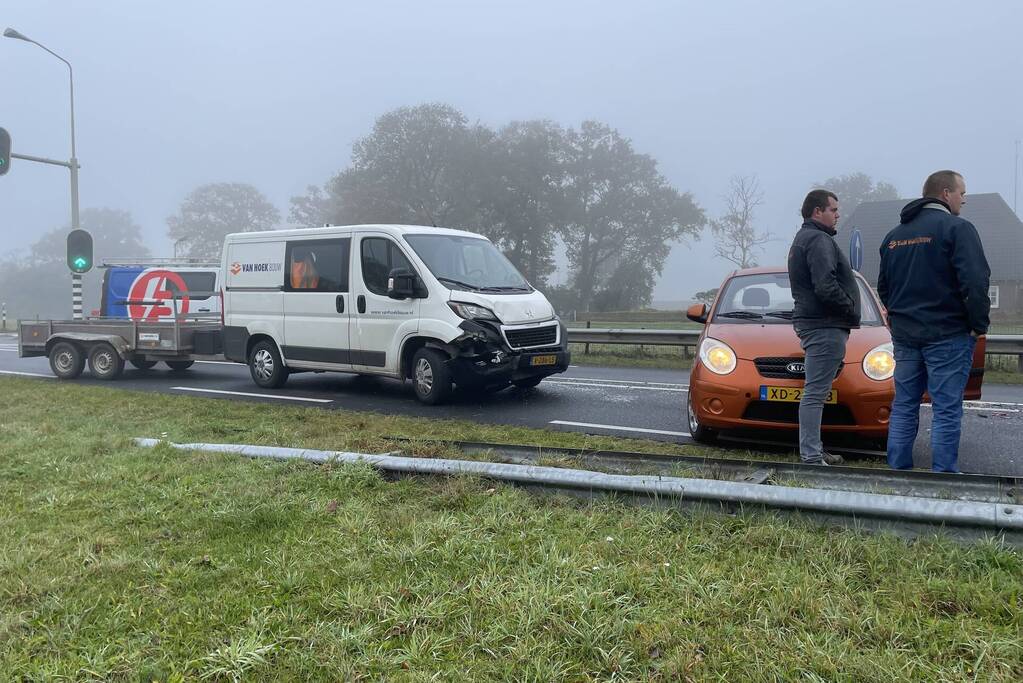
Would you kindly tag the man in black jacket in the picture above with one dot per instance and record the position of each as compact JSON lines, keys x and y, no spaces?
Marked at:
{"x":827,"y":306}
{"x":934,"y":282}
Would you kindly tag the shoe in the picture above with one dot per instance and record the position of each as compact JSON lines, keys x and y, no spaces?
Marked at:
{"x":831,"y":459}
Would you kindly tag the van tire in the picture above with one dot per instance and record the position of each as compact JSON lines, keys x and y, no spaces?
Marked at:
{"x":266,"y":367}
{"x":142,"y":364}
{"x":179,"y":365}
{"x":66,"y":360}
{"x":104,"y":362}
{"x":431,"y":378}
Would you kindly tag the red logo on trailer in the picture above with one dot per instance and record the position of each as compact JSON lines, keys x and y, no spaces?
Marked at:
{"x":155,"y":297}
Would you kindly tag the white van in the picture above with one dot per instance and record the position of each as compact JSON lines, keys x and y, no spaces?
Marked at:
{"x":437,"y":306}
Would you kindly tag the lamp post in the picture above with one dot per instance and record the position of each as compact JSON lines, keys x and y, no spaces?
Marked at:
{"x":76,"y":278}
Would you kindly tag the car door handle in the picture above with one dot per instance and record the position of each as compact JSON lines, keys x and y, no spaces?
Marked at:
{"x":361,"y":303}
{"x":339,"y":303}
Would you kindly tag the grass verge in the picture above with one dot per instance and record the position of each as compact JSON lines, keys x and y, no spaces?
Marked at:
{"x":123,"y":564}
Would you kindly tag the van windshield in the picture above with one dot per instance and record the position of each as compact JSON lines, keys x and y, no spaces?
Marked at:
{"x":468,"y":263}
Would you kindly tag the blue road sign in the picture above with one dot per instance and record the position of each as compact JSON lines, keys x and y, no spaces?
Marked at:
{"x":856,"y":250}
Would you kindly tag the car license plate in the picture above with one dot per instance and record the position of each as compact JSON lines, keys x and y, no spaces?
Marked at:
{"x":791,"y":394}
{"x":551,"y":359}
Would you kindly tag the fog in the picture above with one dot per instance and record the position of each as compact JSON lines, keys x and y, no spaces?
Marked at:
{"x":175,"y":95}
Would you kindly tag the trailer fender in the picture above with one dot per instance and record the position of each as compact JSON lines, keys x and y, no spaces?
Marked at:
{"x":87,"y":339}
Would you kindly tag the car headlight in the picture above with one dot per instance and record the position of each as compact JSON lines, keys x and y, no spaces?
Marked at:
{"x":717,"y":356}
{"x":879,"y":364}
{"x":472,"y":311}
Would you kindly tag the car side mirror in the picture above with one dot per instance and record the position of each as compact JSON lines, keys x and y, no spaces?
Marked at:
{"x":697,"y":313}
{"x":402,"y":283}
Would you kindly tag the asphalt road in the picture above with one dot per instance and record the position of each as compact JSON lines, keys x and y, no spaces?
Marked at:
{"x":644,"y":403}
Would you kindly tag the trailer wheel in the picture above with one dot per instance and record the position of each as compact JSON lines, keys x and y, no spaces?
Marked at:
{"x":179,"y":365}
{"x":104,"y":362}
{"x":143,"y":364}
{"x":266,"y":367}
{"x":66,"y":360}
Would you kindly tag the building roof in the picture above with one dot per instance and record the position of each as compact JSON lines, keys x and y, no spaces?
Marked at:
{"x":1001,"y":232}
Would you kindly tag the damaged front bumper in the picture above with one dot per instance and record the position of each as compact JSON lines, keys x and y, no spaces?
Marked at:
{"x":484,"y":358}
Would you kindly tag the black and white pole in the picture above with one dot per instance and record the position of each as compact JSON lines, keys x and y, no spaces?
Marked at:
{"x":76,"y":296}
{"x":3,"y":307}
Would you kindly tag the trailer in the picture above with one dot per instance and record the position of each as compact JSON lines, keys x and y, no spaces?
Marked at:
{"x":107,"y":343}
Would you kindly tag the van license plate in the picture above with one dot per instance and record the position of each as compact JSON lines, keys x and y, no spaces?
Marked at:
{"x":543,"y":360}
{"x":791,"y":394}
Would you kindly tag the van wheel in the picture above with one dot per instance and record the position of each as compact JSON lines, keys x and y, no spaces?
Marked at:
{"x":179,"y":365}
{"x":104,"y":362}
{"x":431,"y":378}
{"x":266,"y":367}
{"x":699,"y":433}
{"x":143,"y":364}
{"x":528,"y":383}
{"x":66,"y":360}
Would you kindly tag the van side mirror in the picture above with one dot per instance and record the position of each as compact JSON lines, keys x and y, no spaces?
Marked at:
{"x":402,"y":283}
{"x":697,"y":313}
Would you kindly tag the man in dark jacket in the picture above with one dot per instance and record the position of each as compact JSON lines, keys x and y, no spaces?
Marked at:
{"x":934,"y":282}
{"x":827,"y":306}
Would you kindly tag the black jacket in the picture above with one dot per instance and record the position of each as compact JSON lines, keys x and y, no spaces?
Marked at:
{"x":823,"y":285}
{"x":934,"y":276}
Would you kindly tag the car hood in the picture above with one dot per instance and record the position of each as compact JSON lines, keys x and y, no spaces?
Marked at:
{"x":511,"y":309}
{"x":755,"y":340}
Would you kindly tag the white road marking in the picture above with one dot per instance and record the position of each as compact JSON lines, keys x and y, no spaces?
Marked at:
{"x":594,"y":385}
{"x":26,"y":374}
{"x":243,"y":393}
{"x":617,"y":428}
{"x":621,"y":381}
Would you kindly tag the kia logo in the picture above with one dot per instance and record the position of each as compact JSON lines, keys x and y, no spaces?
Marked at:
{"x":796,"y":368}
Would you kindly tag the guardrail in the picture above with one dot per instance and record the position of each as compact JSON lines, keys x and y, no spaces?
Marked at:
{"x":997,"y":344}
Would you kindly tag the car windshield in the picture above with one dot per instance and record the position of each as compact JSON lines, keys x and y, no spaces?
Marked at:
{"x":469,"y":263}
{"x":767,"y":298}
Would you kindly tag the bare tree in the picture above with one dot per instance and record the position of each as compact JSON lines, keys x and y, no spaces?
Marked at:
{"x":736,"y":237}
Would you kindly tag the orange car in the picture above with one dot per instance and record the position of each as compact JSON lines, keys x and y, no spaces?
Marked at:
{"x":749,"y":374}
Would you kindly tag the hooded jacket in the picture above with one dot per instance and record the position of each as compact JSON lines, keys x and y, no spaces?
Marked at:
{"x":823,"y":285}
{"x":934,"y":276}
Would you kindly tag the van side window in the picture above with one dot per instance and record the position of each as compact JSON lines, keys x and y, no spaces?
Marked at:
{"x":379,"y":257}
{"x":317,"y":265}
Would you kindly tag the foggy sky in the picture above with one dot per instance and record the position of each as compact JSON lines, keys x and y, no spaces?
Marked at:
{"x":173,"y":95}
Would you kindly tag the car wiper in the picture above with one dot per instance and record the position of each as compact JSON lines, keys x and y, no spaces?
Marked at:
{"x":780,"y":314}
{"x":504,"y":289}
{"x":459,"y":283}
{"x":747,"y":315}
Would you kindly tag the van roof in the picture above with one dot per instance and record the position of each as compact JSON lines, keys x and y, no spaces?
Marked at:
{"x":390,"y":229}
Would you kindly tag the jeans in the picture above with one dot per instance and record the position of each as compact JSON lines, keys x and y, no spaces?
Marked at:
{"x":825,"y":351}
{"x":942,"y":368}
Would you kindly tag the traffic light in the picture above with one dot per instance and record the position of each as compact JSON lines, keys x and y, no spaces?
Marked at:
{"x":5,"y":151}
{"x":79,"y":251}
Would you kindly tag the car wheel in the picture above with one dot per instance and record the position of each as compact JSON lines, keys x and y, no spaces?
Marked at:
{"x":266,"y":367}
{"x":431,"y":378}
{"x":104,"y":362}
{"x":143,"y":364}
{"x":698,"y":431}
{"x":179,"y":365}
{"x":528,"y":383}
{"x":66,"y":360}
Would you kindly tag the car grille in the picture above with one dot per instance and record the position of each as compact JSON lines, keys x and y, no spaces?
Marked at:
{"x":532,"y":337}
{"x":777,"y":367}
{"x":788,"y":413}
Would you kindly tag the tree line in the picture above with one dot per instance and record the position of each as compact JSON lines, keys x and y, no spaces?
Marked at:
{"x":541,"y":191}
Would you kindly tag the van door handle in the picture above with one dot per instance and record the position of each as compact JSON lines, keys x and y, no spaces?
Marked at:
{"x":339,"y":303}
{"x":361,"y":303}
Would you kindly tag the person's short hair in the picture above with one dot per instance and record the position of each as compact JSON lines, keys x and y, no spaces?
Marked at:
{"x":939,"y":181}
{"x":817,"y":199}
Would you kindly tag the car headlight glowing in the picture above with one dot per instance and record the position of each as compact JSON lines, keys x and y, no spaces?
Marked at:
{"x":879,"y":364}
{"x":717,"y":356}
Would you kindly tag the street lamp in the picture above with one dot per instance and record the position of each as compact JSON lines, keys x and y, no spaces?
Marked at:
{"x":76,"y":278}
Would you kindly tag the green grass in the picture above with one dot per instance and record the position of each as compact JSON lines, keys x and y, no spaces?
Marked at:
{"x":119,"y":563}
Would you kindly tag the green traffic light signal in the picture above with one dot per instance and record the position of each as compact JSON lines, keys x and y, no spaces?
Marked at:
{"x":79,"y":251}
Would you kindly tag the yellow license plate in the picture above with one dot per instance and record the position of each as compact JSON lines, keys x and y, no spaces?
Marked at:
{"x":791,"y":394}
{"x":543,"y":360}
